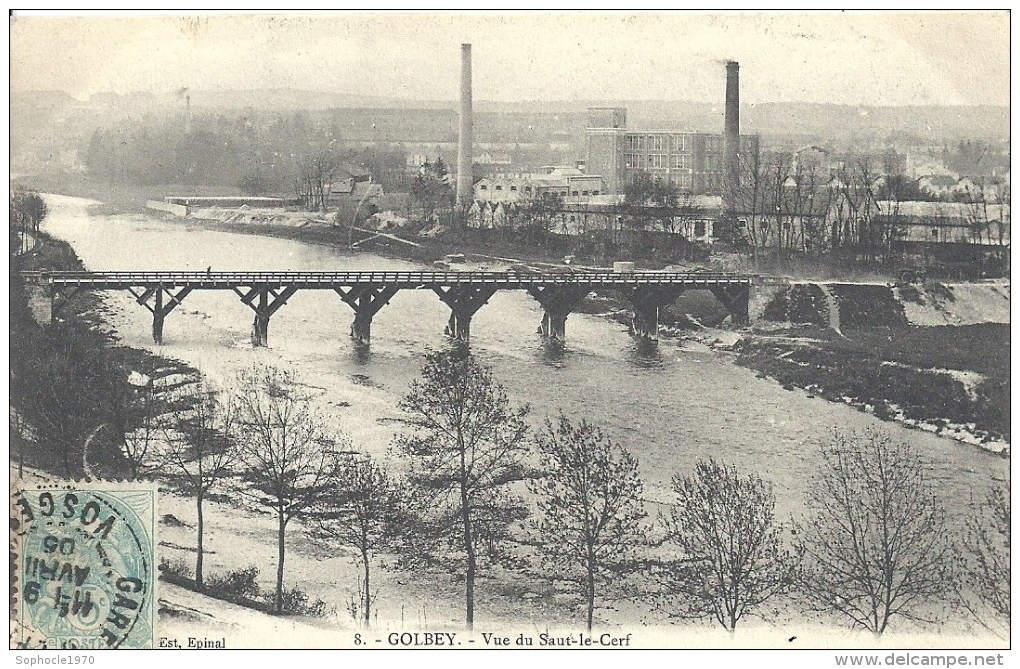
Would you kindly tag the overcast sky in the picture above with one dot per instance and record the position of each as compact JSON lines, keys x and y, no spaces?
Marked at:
{"x":878,"y":59}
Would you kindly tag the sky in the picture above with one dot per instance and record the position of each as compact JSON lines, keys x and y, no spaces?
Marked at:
{"x":881,"y":58}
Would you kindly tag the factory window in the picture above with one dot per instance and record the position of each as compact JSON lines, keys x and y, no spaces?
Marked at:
{"x":584,"y":192}
{"x":499,"y":188}
{"x":680,"y":143}
{"x":656,"y":143}
{"x":527,"y":189}
{"x":699,"y":228}
{"x":657,"y":161}
{"x":513,"y":187}
{"x":594,"y":192}
{"x":681,"y":162}
{"x":935,"y":233}
{"x":563,"y":193}
{"x":483,"y":187}
{"x":632,"y":160}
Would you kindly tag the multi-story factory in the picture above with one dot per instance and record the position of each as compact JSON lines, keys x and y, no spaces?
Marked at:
{"x":699,"y":163}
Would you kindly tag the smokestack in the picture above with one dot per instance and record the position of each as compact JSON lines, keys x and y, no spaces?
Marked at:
{"x":464,"y":147}
{"x":187,"y":114}
{"x":731,"y":137}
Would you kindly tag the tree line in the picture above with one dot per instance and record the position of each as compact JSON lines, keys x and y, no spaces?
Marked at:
{"x":851,"y":210}
{"x":264,"y":157}
{"x":473,"y":486}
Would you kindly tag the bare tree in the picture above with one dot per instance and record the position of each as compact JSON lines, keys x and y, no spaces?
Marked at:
{"x":142,"y":446}
{"x":467,"y":444}
{"x":431,"y":189}
{"x":316,"y":174}
{"x":358,"y":512}
{"x":287,"y":455}
{"x":750,"y":201}
{"x":878,"y":546}
{"x":590,"y":503}
{"x":201,"y":453}
{"x":733,"y":562}
{"x":987,"y":553}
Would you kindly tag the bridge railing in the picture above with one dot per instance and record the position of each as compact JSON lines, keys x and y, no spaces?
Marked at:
{"x":306,"y":278}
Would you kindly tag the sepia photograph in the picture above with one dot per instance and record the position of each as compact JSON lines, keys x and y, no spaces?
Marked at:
{"x":450,"y":330}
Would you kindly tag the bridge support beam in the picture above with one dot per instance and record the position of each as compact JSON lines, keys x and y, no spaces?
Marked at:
{"x":647,"y":300}
{"x":736,"y":299}
{"x":558,"y":302}
{"x":366,"y":302}
{"x":61,"y":297}
{"x":264,"y":301}
{"x":151,"y":298}
{"x":41,"y":300}
{"x":464,"y":301}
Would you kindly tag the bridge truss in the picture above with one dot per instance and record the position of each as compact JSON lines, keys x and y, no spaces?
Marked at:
{"x":366,"y":293}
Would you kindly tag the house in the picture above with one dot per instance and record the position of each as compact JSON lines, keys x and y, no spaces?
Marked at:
{"x":928,"y":223}
{"x":561,"y":182}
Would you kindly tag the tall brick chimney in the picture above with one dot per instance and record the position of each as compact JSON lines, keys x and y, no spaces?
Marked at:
{"x":464,"y":145}
{"x":731,"y":137}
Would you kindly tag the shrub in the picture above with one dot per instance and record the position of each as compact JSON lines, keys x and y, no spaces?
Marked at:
{"x":175,"y":570}
{"x":296,"y":601}
{"x":239,"y":582}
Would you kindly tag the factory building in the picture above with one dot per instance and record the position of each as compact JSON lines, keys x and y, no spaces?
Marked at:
{"x":698,"y":163}
{"x":694,"y":161}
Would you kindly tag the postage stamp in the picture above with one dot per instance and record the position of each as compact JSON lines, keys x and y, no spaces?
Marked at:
{"x":83,"y":556}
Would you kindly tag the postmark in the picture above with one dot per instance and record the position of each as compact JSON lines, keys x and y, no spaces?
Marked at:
{"x":84,"y":573}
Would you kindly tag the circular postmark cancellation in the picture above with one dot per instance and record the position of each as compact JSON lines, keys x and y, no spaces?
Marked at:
{"x":84,"y":574}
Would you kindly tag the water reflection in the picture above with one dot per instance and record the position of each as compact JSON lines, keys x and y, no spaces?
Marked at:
{"x":645,"y":353}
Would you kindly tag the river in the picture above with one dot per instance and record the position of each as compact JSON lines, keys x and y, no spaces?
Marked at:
{"x":681,"y":404}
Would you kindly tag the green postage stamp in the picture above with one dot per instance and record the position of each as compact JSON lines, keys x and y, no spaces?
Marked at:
{"x":84,"y":573}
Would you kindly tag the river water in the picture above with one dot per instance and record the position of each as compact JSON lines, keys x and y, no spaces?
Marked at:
{"x":672,"y":408}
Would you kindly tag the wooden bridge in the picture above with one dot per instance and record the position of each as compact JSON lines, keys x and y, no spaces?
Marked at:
{"x":559,"y":293}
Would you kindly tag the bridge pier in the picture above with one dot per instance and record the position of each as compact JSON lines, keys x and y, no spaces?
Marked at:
{"x":265,"y":302}
{"x":366,"y":302}
{"x":558,"y":302}
{"x":464,"y":301}
{"x":40,"y":299}
{"x":736,"y":299}
{"x":647,"y":300}
{"x":158,"y":308}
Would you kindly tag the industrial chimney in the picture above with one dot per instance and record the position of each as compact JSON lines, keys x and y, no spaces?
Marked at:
{"x":731,"y":137}
{"x":464,"y":157}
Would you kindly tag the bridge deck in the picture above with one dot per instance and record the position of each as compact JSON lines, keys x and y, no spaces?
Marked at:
{"x":329,"y":280}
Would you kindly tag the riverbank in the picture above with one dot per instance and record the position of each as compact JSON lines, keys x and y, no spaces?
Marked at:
{"x":951,"y":381}
{"x":71,"y":381}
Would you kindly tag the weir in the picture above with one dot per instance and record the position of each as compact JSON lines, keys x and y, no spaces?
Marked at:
{"x":559,"y":293}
